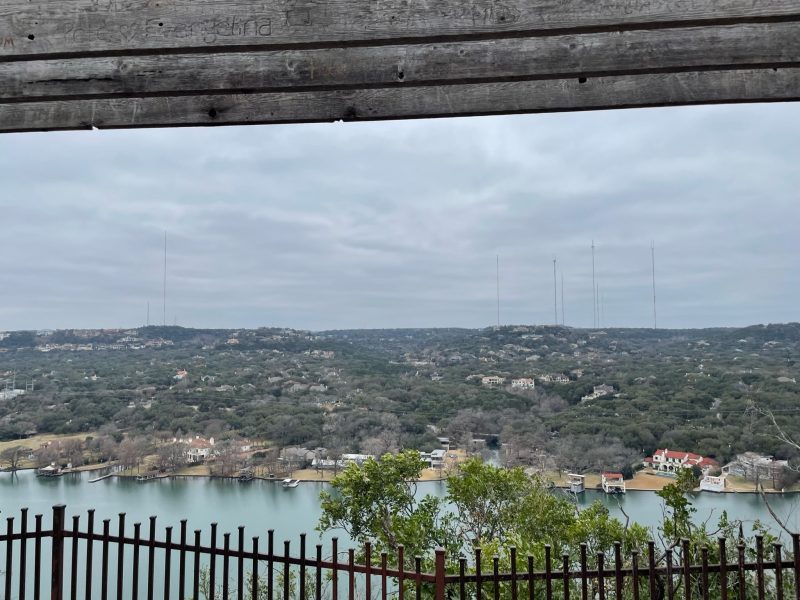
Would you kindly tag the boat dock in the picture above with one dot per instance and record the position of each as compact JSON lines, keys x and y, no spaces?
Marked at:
{"x":612,"y":483}
{"x":577,"y":483}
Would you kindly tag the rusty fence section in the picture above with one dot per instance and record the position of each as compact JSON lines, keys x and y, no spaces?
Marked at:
{"x":78,"y":560}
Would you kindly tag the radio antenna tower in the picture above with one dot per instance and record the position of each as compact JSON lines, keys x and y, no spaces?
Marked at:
{"x":148,"y":313}
{"x":653,"y":263}
{"x":563,"y":318}
{"x":164,"y":316}
{"x":555,"y":293}
{"x":498,"y":290}
{"x":594,"y":293}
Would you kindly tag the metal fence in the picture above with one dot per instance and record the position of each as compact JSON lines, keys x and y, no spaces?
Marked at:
{"x":66,"y":561}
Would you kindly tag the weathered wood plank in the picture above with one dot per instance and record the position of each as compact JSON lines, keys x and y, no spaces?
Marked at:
{"x":763,"y":85}
{"x":588,"y":55}
{"x":37,"y":27}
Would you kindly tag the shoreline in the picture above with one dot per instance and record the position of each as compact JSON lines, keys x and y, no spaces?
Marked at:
{"x":307,"y":479}
{"x":643,"y":480}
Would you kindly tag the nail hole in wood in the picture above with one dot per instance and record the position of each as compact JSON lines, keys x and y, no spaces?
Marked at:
{"x":401,"y":75}
{"x":581,"y":79}
{"x":212,"y":113}
{"x":31,"y":37}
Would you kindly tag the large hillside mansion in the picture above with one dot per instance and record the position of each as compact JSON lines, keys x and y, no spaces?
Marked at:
{"x":670,"y":461}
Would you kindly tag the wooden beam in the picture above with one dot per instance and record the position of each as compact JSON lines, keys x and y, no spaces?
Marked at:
{"x":65,"y":27}
{"x":67,"y":64}
{"x":669,"y":89}
{"x":770,"y":45}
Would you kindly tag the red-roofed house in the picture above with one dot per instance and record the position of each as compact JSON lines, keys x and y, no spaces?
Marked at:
{"x":670,"y":461}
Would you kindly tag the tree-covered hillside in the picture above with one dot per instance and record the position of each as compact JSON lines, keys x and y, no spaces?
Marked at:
{"x":381,"y":390}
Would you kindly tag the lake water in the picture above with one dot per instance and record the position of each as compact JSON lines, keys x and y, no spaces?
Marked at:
{"x":260,"y":505}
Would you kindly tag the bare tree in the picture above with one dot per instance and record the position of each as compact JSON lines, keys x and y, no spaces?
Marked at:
{"x":524,"y":445}
{"x":171,"y":455}
{"x":386,"y":442}
{"x":101,"y":448}
{"x":72,"y":451}
{"x":132,"y":452}
{"x":13,"y":456}
{"x":269,"y":460}
{"x":228,"y":457}
{"x":467,"y":423}
{"x":581,"y":453}
{"x":778,"y":431}
{"x":46,"y":455}
{"x":787,"y":439}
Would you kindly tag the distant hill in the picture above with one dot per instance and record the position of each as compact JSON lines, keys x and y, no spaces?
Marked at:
{"x":373,"y":390}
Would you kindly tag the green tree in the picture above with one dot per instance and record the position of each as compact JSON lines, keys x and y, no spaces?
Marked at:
{"x":377,"y":503}
{"x":487,"y":499}
{"x":687,"y":480}
{"x":493,"y":509}
{"x":678,"y":511}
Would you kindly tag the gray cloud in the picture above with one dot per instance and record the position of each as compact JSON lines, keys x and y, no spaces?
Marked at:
{"x":398,"y":224}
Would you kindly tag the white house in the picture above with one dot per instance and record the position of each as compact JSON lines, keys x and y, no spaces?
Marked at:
{"x":358,"y":459}
{"x":199,"y":449}
{"x":756,"y":467}
{"x":554,"y":378}
{"x":670,"y":461}
{"x":523,"y":383}
{"x":598,"y":392}
{"x":437,"y":458}
{"x":493,"y":380}
{"x":330,"y":464}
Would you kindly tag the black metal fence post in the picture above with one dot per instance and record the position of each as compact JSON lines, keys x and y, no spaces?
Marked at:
{"x":10,"y":556}
{"x":57,"y":560}
{"x":23,"y":551}
{"x":440,"y":573}
{"x":796,"y":553}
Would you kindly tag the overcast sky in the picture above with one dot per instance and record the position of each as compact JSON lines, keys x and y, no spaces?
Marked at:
{"x":398,"y":224}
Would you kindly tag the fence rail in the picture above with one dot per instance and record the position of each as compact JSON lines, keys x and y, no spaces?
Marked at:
{"x":226,"y":568}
